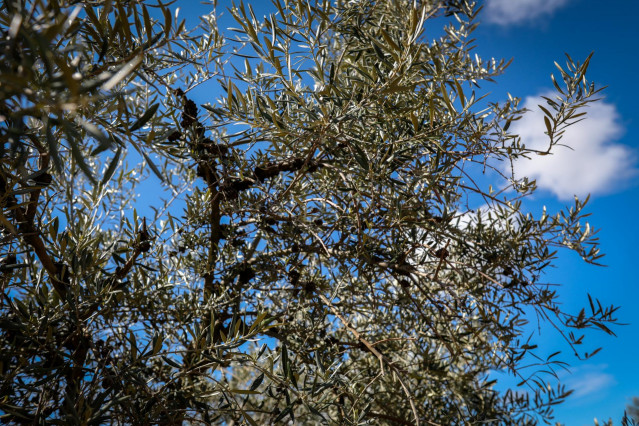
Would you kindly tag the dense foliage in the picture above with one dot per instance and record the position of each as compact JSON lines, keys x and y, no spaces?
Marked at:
{"x":324,"y":244}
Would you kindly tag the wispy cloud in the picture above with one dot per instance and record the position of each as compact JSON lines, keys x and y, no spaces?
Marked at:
{"x":591,"y":163}
{"x":588,"y":380}
{"x":508,"y":12}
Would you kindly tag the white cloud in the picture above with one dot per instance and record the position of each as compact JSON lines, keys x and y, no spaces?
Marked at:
{"x":588,"y":380}
{"x":594,"y":165}
{"x":506,"y":12}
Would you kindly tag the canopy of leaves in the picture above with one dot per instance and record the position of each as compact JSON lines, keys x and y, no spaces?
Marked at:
{"x":325,"y":244}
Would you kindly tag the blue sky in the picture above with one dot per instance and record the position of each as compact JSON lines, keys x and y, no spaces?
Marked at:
{"x":603,"y":162}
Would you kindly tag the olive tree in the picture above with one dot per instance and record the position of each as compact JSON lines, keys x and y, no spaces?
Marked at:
{"x":633,"y":409}
{"x":325,"y":244}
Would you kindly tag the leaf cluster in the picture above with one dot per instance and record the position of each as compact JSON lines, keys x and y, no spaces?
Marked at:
{"x":325,"y":245}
